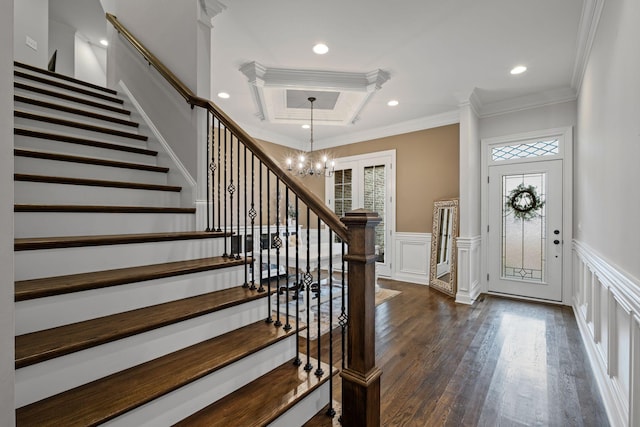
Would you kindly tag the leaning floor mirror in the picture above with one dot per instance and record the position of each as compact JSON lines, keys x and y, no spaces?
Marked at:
{"x":443,"y":246}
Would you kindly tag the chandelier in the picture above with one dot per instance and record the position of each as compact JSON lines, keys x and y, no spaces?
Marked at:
{"x":310,"y":163}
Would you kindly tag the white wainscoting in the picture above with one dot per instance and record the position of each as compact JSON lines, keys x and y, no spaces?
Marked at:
{"x":468,"y":269}
{"x":411,"y":263}
{"x":606,"y":302}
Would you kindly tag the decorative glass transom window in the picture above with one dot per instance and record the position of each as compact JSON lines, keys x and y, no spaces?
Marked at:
{"x":521,"y":151}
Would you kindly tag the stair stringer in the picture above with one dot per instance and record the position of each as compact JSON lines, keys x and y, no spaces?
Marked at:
{"x":178,"y":173}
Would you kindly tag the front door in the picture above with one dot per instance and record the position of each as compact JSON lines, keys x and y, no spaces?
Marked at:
{"x":525,"y":235}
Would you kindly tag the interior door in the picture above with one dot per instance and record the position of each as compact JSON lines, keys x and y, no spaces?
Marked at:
{"x":366,"y":183}
{"x":525,"y":229}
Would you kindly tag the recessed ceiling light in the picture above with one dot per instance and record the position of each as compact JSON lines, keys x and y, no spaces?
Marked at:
{"x":392,"y":103}
{"x":223,"y":95}
{"x":519,"y":69}
{"x":321,"y":48}
{"x":103,"y":42}
{"x":305,"y":126}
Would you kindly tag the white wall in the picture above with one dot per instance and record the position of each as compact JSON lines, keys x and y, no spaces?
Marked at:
{"x":31,"y":18}
{"x":148,"y":20}
{"x":607,"y":198}
{"x":6,"y":217}
{"x":90,"y":62}
{"x":61,"y":38}
{"x":606,"y":290}
{"x":547,"y":117}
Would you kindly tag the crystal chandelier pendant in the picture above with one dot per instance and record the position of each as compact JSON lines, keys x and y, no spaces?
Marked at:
{"x":306,"y":163}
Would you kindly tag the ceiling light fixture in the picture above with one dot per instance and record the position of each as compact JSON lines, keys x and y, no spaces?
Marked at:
{"x":518,"y":70}
{"x":223,"y":95}
{"x":104,"y":43}
{"x":307,"y":163}
{"x":321,"y":49}
{"x":392,"y":103}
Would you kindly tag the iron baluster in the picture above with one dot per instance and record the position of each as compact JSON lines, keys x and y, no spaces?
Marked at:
{"x":219,"y":178}
{"x":261,"y":288}
{"x":319,"y":372}
{"x":277,"y":242}
{"x":226,"y":230}
{"x":269,"y":317}
{"x":330,"y":411}
{"x":209,"y":164}
{"x":246,"y":213}
{"x":240,"y":242}
{"x":252,"y":215}
{"x":287,"y":325}
{"x":308,"y":280}
{"x":297,"y":361}
{"x":231,"y":189}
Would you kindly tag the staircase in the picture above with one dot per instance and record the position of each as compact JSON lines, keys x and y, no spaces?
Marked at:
{"x":124,"y":312}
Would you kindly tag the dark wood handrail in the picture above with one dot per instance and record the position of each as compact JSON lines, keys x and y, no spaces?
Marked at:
{"x":299,"y":189}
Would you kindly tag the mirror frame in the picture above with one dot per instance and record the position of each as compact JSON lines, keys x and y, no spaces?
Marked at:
{"x":450,"y":287}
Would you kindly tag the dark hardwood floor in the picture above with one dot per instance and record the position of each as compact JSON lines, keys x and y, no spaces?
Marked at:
{"x":500,"y":362}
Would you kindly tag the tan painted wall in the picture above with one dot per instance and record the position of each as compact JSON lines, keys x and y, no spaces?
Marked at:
{"x":427,"y":170}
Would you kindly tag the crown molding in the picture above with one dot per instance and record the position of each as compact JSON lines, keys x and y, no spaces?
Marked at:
{"x":208,"y":10}
{"x":438,"y":120}
{"x":539,"y":99}
{"x":591,"y":11}
{"x":269,"y":85}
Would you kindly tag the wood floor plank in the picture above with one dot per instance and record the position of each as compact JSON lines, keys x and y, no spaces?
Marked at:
{"x":35,"y":243}
{"x":498,"y":362}
{"x":50,"y":286}
{"x":262,"y":401}
{"x":51,"y":82}
{"x":44,"y":345}
{"x":104,"y":399}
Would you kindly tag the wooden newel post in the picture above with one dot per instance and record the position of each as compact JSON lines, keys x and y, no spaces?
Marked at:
{"x":361,"y":377}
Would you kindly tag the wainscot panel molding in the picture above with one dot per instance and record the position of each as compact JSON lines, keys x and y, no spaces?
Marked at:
{"x":468,"y":269}
{"x":411,"y":263}
{"x":606,"y":302}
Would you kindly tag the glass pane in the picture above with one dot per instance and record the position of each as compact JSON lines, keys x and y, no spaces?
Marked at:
{"x":520,"y":151}
{"x":523,"y":227}
{"x":374,"y":200}
{"x":347,"y":191}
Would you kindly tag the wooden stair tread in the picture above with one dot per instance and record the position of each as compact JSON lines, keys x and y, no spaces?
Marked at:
{"x":78,"y":125}
{"x":94,"y":182}
{"x":49,"y":286}
{"x":63,"y":77}
{"x":87,"y":160}
{"x":77,"y":111}
{"x":95,"y":104}
{"x":36,"y":347}
{"x":106,"y":398}
{"x":261,"y":401}
{"x":102,"y":209}
{"x":68,"y":87}
{"x":35,"y":243}
{"x":81,"y":141}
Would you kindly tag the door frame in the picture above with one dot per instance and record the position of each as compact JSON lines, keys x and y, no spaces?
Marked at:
{"x":565,"y":135}
{"x":387,"y":157}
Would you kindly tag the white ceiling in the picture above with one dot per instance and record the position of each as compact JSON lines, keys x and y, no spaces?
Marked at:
{"x":437,"y":53}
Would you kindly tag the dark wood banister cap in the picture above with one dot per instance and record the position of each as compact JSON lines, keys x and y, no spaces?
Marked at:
{"x":311,"y":200}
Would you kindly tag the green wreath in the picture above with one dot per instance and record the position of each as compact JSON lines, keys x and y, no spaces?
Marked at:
{"x":524,"y":202}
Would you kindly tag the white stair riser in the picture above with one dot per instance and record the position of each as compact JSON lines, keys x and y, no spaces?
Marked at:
{"x":56,"y":79}
{"x":24,"y":106}
{"x":69,"y":194}
{"x":179,"y":404}
{"x":44,"y":313}
{"x":62,"y":147}
{"x":51,"y":224}
{"x":70,"y":92}
{"x":59,"y":262}
{"x":306,"y":409}
{"x":72,"y":104}
{"x":79,"y":133}
{"x":45,"y":379}
{"x":36,"y":166}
